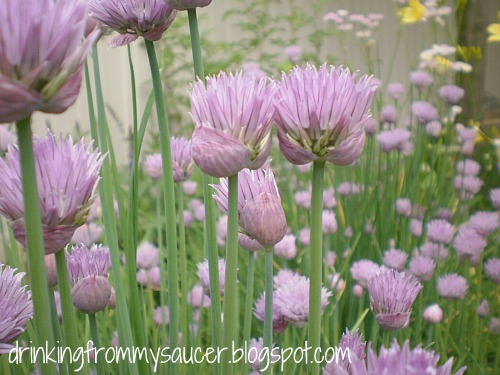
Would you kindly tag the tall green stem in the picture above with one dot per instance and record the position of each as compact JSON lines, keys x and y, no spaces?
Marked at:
{"x":183,"y":266}
{"x":315,"y":270}
{"x":67,"y":309}
{"x":231,"y":278}
{"x":247,"y":323}
{"x":34,"y":243}
{"x":268,"y":316}
{"x":210,"y":225}
{"x":94,"y":333}
{"x":169,"y":192}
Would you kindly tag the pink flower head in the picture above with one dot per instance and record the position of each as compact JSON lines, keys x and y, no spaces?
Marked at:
{"x":67,"y":177}
{"x":154,"y":166}
{"x":451,"y":94}
{"x":279,"y":322}
{"x":363,"y":270}
{"x":16,"y":308}
{"x":182,"y":159}
{"x":424,"y":112}
{"x":433,"y":314}
{"x":133,"y":18}
{"x":452,"y":286}
{"x":260,"y":213}
{"x":396,"y":90}
{"x":320,"y":114}
{"x":41,"y":56}
{"x":232,"y":114}
{"x":395,"y":139}
{"x":421,"y":79}
{"x":286,"y":248}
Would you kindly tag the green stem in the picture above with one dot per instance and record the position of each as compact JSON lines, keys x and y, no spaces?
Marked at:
{"x":268,"y":316}
{"x":34,"y":243}
{"x":183,"y":266}
{"x":169,"y":189}
{"x":163,"y":271}
{"x":247,"y":323}
{"x":67,"y":308}
{"x":195,"y":44}
{"x":231,"y":279}
{"x":105,"y":190}
{"x":94,"y":333}
{"x":315,"y":270}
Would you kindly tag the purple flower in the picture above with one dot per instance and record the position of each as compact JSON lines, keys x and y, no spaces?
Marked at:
{"x":424,"y":112}
{"x":397,"y":360}
{"x":416,"y":227}
{"x":483,"y":310}
{"x":422,"y":268}
{"x":395,"y":90}
{"x":395,"y":139}
{"x":248,"y":243}
{"x":495,"y":198}
{"x":260,"y":213}
{"x":452,"y":286}
{"x":329,"y":200}
{"x":133,"y":18}
{"x":187,"y":4}
{"x":292,"y":300}
{"x":434,"y":251}
{"x":88,"y":234}
{"x":392,"y":295}
{"x":279,"y":321}
{"x":285,"y":276}
{"x":256,"y":357}
{"x":484,"y":222}
{"x":204,"y":275}
{"x":182,"y":161}
{"x":403,"y":207}
{"x":41,"y":56}
{"x":16,"y":308}
{"x":433,"y":314}
{"x":467,"y":186}
{"x":303,"y":198}
{"x":388,"y":114}
{"x":161,"y":315}
{"x":148,"y":255}
{"x":67,"y":177}
{"x":189,"y":187}
{"x":232,"y":116}
{"x":320,"y":114}
{"x":346,"y":189}
{"x":6,"y":138}
{"x":468,"y":167}
{"x":154,"y":166}
{"x":443,"y":213}
{"x":451,"y":94}
{"x":286,"y":248}
{"x":371,"y":126}
{"x":88,"y":271}
{"x":433,"y":128}
{"x":395,"y":259}
{"x":352,"y":345}
{"x":363,"y":270}
{"x":197,"y":297}
{"x":305,"y":236}
{"x":469,"y":244}
{"x":492,"y":269}
{"x":294,"y":53}
{"x":420,"y":79}
{"x":330,"y":225}
{"x":440,"y":231}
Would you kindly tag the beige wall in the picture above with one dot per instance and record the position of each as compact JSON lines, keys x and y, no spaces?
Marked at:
{"x":116,"y":79}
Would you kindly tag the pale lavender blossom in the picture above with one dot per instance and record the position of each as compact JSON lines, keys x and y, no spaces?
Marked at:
{"x":154,"y":166}
{"x":452,"y":286}
{"x":303,"y":198}
{"x":396,"y":90}
{"x":320,"y":114}
{"x":294,"y":53}
{"x":88,"y":271}
{"x":347,"y":189}
{"x":422,"y":268}
{"x":363,"y":270}
{"x":371,"y":126}
{"x":485,"y":222}
{"x":336,"y":283}
{"x":353,"y":346}
{"x":16,"y":308}
{"x":483,"y":310}
{"x":443,"y":213}
{"x":329,"y":200}
{"x":248,"y":243}
{"x":495,"y":198}
{"x":6,"y":138}
{"x":396,"y":259}
{"x":451,"y":94}
{"x":331,"y":257}
{"x":255,"y":356}
{"x":292,"y":300}
{"x":67,"y":178}
{"x":403,"y":207}
{"x":468,"y":167}
{"x":189,"y":187}
{"x":416,"y":227}
{"x":421,"y":79}
{"x":279,"y":321}
{"x":397,"y":360}
{"x":147,"y":255}
{"x":233,"y":115}
{"x":388,"y":114}
{"x":188,"y":218}
{"x":433,"y":314}
{"x":424,"y":112}
{"x":492,"y":269}
{"x":469,"y":244}
{"x":433,"y":128}
{"x":305,"y":236}
{"x":440,"y":231}
{"x":435,"y":251}
{"x":221,"y":230}
{"x":161,"y":315}
{"x":348,"y":233}
{"x":197,"y":298}
{"x":286,"y":248}
{"x":329,"y":222}
{"x":182,"y":160}
{"x":284,"y":276}
{"x":133,"y":18}
{"x":260,"y":213}
{"x":392,"y":295}
{"x":467,"y":186}
{"x":41,"y":56}
{"x":495,"y":326}
{"x":204,"y":275}
{"x":395,"y":139}
{"x":88,"y":234}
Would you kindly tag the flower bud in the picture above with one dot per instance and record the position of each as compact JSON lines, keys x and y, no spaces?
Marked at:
{"x":433,"y":314}
{"x":91,"y":294}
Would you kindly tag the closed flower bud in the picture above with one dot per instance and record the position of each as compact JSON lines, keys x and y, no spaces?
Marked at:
{"x":433,"y":314}
{"x":91,"y":294}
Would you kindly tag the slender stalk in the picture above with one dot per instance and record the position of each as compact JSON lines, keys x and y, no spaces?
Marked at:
{"x":163,"y":271}
{"x":67,"y":308}
{"x":268,"y":316}
{"x":247,"y":322}
{"x":63,"y":370}
{"x":168,"y":180}
{"x":94,"y":333}
{"x":183,"y":266}
{"x":315,"y":270}
{"x":105,"y":190}
{"x":210,"y":225}
{"x":34,"y":243}
{"x":231,"y":280}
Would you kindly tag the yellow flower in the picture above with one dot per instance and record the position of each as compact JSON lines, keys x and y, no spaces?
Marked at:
{"x":413,"y":13}
{"x":494,"y":30}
